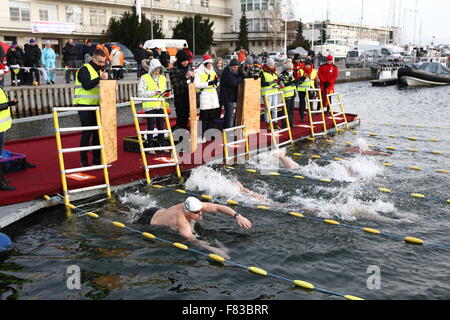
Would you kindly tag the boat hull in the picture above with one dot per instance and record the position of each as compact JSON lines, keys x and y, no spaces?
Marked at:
{"x":417,"y":82}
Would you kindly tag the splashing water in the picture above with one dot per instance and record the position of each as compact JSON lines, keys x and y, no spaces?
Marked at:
{"x":137,"y":203}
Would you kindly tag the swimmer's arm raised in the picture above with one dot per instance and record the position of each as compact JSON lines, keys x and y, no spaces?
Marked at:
{"x":241,"y":220}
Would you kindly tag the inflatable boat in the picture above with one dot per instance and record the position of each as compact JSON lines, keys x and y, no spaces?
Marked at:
{"x":426,"y":74}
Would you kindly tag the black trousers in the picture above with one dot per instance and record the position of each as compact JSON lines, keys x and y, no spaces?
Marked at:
{"x":182,"y":109}
{"x":89,"y":138}
{"x":207,"y":118}
{"x":290,"y":105}
{"x":151,"y":125}
{"x":302,"y":104}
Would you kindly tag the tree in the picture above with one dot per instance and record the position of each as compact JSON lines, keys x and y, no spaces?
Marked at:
{"x":203,"y":32}
{"x":129,"y":31}
{"x":300,"y":40}
{"x":243,"y":33}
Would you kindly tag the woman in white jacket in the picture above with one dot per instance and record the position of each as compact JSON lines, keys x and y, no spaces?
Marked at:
{"x":206,"y":82}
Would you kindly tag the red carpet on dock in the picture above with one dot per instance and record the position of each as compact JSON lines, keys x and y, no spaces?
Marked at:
{"x":45,"y":179}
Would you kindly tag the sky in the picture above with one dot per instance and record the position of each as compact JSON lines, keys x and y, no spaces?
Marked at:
{"x":433,"y":15}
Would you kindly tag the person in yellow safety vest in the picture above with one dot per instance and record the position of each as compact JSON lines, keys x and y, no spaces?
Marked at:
{"x":153,"y":85}
{"x":5,"y":124}
{"x":206,"y":82}
{"x":289,"y":90}
{"x":269,"y":85}
{"x":306,"y":79}
{"x":87,"y":93}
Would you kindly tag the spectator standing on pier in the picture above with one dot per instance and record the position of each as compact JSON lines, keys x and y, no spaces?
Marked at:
{"x":87,"y":93}
{"x":206,"y":82}
{"x":328,"y":74}
{"x":269,"y":85}
{"x":189,"y":53}
{"x":14,"y":60}
{"x":5,"y":125}
{"x":70,"y":56}
{"x":242,"y":55}
{"x":153,"y":85}
{"x":88,"y":51}
{"x":140,"y":54}
{"x":102,"y":46}
{"x":289,"y":89}
{"x":248,"y":69}
{"x":218,"y":69}
{"x":180,"y":76}
{"x":117,"y":62}
{"x":32,"y":61}
{"x":230,"y":81}
{"x":164,"y":57}
{"x":306,"y":79}
{"x":48,"y":61}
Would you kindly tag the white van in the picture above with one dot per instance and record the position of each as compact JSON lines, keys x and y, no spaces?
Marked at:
{"x":172,"y":45}
{"x":360,"y":56}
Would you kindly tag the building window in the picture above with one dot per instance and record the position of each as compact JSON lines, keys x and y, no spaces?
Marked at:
{"x":204,"y":3}
{"x":74,"y":14}
{"x":48,"y":12}
{"x":158,"y":19}
{"x":117,"y":14}
{"x":172,"y":21}
{"x":19,"y":11}
{"x":264,"y":4}
{"x":97,"y":17}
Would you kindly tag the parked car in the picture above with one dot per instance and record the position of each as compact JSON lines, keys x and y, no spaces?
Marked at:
{"x":352,"y":60}
{"x":276,"y":56}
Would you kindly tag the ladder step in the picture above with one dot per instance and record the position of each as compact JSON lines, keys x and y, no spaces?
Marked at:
{"x":68,"y":150}
{"x":238,"y":155}
{"x":234,"y":128}
{"x":163,"y":165}
{"x":153,"y":131}
{"x":82,"y":169}
{"x":279,"y":118}
{"x":318,"y":111}
{"x":281,"y":130}
{"x":284,"y":143}
{"x":235,"y":142}
{"x":159,"y":148}
{"x":320,"y":134}
{"x":73,"y":129}
{"x":101,"y":186}
{"x":315,"y":100}
{"x":341,"y":124}
{"x":319,"y":122}
{"x":277,"y":106}
{"x":147,"y":99}
{"x":150,"y":115}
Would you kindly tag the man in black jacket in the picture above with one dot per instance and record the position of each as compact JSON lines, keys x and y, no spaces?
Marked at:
{"x":140,"y":54}
{"x":32,"y":60}
{"x":15,"y":60}
{"x":230,"y":81}
{"x":69,"y":59}
{"x":180,"y":76}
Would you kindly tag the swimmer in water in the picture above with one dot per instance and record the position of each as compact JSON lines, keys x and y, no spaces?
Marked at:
{"x":285,"y":160}
{"x":363,"y":148}
{"x":180,"y":216}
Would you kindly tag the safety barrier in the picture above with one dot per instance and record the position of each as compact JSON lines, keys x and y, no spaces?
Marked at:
{"x":330,"y":222}
{"x":139,"y":132}
{"x":402,"y":125}
{"x":214,"y":257}
{"x":392,"y":136}
{"x":63,"y":171}
{"x":226,"y":144}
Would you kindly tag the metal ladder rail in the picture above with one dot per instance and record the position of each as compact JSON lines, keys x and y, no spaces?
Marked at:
{"x":139,"y":133}
{"x":226,"y":144}
{"x":341,"y":105}
{"x":321,"y":111}
{"x":271,"y":120}
{"x":61,"y":151}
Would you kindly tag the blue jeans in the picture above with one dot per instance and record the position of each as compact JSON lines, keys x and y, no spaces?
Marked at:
{"x":229,"y":116}
{"x":2,"y":141}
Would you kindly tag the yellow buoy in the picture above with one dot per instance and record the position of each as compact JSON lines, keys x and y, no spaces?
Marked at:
{"x":299,"y":177}
{"x":297,"y":154}
{"x":296,"y":214}
{"x":304,"y":284}
{"x":412,"y":139}
{"x":262,"y":208}
{"x":326,"y":180}
{"x":387,"y":164}
{"x":437,"y":152}
{"x":355,"y":132}
{"x":232,"y":202}
{"x":259,"y":271}
{"x":46,"y":197}
{"x":443,"y":171}
{"x":148,"y":235}
{"x":332,"y":222}
{"x":118,"y":224}
{"x":275,"y":174}
{"x":311,"y":139}
{"x":372,"y":134}
{"x":251,"y":170}
{"x":370,"y":230}
{"x":392,"y":136}
{"x":315,"y":157}
{"x":413,"y":240}
{"x":92,"y":215}
{"x":434,"y":140}
{"x":330,"y":141}
{"x":156,"y":186}
{"x":338,"y":159}
{"x":385,"y":190}
{"x":403,"y":125}
{"x":180,"y":191}
{"x":180,"y":246}
{"x":349,"y":297}
{"x":391,"y":148}
{"x":206,"y":197}
{"x":348,"y":143}
{"x":228,"y":167}
{"x":418,"y":195}
{"x":415,"y":168}
{"x":217,"y":258}
{"x":412,"y":150}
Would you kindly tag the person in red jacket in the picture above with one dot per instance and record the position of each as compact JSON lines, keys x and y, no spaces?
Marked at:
{"x":328,"y":74}
{"x":189,"y":53}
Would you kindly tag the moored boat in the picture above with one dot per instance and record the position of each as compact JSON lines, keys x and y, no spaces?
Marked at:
{"x":426,"y":74}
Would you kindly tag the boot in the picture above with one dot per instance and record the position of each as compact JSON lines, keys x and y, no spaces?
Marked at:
{"x":4,"y":184}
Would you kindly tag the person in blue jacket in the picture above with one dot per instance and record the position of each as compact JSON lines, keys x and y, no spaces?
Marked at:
{"x":48,"y":58}
{"x":230,"y":81}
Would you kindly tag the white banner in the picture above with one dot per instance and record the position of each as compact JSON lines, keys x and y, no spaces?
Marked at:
{"x":52,"y":27}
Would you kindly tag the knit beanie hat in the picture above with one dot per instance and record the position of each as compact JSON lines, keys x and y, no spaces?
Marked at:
{"x":330,"y":58}
{"x":249,"y":60}
{"x":289,"y":65}
{"x":182,"y":56}
{"x":270,"y":62}
{"x":234,"y":62}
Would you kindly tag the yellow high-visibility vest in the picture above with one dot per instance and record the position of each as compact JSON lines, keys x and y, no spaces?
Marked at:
{"x":289,"y":91}
{"x":5,"y":115}
{"x":308,"y":83}
{"x":204,"y":77}
{"x":88,"y":97}
{"x":153,"y":86}
{"x":269,"y":77}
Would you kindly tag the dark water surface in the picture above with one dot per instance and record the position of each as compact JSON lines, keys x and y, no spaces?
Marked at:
{"x":117,"y":264}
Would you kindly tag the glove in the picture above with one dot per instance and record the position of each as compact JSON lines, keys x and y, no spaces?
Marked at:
{"x":326,"y":84}
{"x":213,"y":82}
{"x":303,"y":78}
{"x":255,"y":77}
{"x":167,"y":94}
